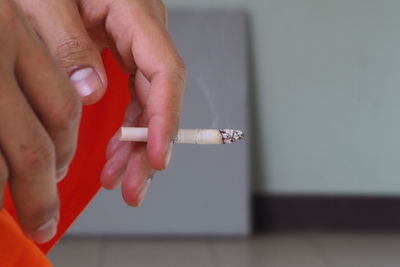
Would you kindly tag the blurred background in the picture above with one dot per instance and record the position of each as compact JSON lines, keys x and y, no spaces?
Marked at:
{"x":315,"y":86}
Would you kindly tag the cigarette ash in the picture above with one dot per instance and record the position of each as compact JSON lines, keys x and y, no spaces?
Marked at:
{"x":230,"y":135}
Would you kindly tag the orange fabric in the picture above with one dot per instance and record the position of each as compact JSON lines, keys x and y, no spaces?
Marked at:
{"x":15,"y":249}
{"x":99,"y":123}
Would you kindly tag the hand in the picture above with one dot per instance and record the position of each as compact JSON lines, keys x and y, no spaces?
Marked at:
{"x":39,"y":116}
{"x":135,"y":30}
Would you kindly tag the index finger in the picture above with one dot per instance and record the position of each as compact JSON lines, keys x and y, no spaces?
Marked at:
{"x":166,"y":73}
{"x":163,"y":110}
{"x":156,"y":57}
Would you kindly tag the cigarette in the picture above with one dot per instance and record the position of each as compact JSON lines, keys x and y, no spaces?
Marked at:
{"x":186,"y":136}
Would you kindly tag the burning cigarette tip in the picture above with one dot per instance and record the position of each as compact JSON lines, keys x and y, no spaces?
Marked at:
{"x":231,"y":135}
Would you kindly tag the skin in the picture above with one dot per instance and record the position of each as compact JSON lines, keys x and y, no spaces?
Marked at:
{"x":73,"y":31}
{"x":39,"y":117}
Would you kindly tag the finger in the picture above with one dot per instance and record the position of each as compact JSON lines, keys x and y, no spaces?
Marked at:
{"x":118,"y":180}
{"x":4,"y":174}
{"x":52,"y":98}
{"x":30,"y":157}
{"x":122,"y":19}
{"x":136,"y":181}
{"x":137,"y":176}
{"x":118,"y":152}
{"x":145,"y":37}
{"x":143,"y":92}
{"x":131,"y":114}
{"x":163,"y":110}
{"x":71,"y":45}
{"x":161,"y":89}
{"x":139,"y":86}
{"x":115,"y":166}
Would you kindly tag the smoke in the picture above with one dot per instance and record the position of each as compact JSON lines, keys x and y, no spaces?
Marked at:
{"x":215,"y":105}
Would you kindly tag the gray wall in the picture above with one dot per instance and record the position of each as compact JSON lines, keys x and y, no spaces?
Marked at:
{"x":327,"y":89}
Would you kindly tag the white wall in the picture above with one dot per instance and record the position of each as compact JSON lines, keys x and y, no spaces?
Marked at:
{"x":328,"y":93}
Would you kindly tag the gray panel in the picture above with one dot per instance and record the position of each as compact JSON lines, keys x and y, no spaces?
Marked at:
{"x":205,"y":190}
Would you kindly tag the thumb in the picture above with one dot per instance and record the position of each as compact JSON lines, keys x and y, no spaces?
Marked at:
{"x":60,"y":26}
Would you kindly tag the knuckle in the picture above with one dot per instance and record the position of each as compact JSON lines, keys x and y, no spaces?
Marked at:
{"x":64,"y":120}
{"x":67,"y":113}
{"x":71,"y":50}
{"x":36,"y":157}
{"x":175,"y":68}
{"x":180,"y":70}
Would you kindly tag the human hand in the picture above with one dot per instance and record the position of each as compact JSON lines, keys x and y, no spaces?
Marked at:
{"x":135,"y":31}
{"x":39,"y":116}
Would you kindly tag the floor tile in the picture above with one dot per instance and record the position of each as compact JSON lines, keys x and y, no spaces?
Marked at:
{"x":359,"y":250}
{"x":272,"y":250}
{"x":161,"y":253}
{"x":77,"y":253}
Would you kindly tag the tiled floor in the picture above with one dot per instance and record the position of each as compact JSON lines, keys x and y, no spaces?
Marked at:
{"x":273,"y":250}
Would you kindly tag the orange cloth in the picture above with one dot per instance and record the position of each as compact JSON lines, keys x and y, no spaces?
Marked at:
{"x":99,"y":123}
{"x":15,"y":249}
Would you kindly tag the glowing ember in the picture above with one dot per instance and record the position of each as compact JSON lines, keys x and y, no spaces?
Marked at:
{"x":230,"y":135}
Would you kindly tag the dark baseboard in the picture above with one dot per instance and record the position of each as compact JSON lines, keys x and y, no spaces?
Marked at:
{"x":299,"y":213}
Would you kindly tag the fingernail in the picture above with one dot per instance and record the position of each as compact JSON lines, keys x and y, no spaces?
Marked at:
{"x":60,"y":175}
{"x":168,"y":155}
{"x":45,"y":232}
{"x":143,"y":190}
{"x":86,"y":81}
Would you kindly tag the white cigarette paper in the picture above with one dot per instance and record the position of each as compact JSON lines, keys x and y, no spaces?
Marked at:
{"x":186,"y":136}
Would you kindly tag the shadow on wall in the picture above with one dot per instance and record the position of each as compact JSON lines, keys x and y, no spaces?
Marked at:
{"x":257,"y":169}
